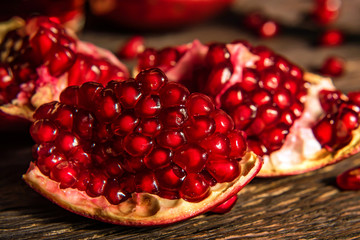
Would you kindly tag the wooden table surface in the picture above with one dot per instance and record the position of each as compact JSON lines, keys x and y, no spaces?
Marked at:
{"x":307,"y":206}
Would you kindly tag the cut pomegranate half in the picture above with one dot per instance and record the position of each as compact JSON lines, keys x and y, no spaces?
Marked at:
{"x":40,"y":59}
{"x":281,"y":108}
{"x":138,"y":152}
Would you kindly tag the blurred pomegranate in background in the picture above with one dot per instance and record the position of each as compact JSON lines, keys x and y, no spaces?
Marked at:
{"x":156,"y":14}
{"x":68,"y":12}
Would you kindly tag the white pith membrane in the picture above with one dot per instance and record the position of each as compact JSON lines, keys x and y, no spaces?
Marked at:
{"x":143,"y":209}
{"x":301,"y":152}
{"x":48,"y":88}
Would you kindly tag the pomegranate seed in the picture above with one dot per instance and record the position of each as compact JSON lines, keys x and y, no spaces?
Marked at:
{"x":96,"y":185}
{"x":129,"y":94}
{"x":147,"y":59}
{"x":333,"y":66}
{"x":217,"y":144}
{"x":268,"y":29}
{"x":70,"y":95}
{"x":200,"y":127}
{"x":170,"y":177}
{"x":125,"y":123}
{"x":149,"y":106}
{"x":137,"y":145}
{"x":226,"y":206}
{"x":191,"y":158}
{"x":132,"y":47}
{"x":223,"y":121}
{"x":238,"y":144}
{"x":63,"y":116}
{"x":173,"y":117}
{"x":250,"y":79}
{"x":326,"y":11}
{"x":43,"y":130}
{"x":223,"y":170}
{"x":64,"y":172}
{"x":167,"y":58}
{"x":151,"y":81}
{"x":354,"y":97}
{"x":331,"y":38}
{"x":199,"y":104}
{"x":349,"y":180}
{"x":174,"y":94}
{"x":149,"y":127}
{"x":194,"y":188}
{"x":158,"y":158}
{"x":6,"y":76}
{"x":59,"y":60}
{"x":217,"y":53}
{"x":146,"y":182}
{"x":242,"y":115}
{"x":218,"y":77}
{"x":232,"y":97}
{"x":324,"y":131}
{"x":114,"y":192}
{"x":330,"y":100}
{"x":66,"y":142}
{"x":46,"y":163}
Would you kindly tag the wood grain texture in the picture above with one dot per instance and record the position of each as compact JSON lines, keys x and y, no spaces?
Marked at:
{"x":307,"y":206}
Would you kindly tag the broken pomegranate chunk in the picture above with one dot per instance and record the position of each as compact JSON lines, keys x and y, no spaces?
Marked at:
{"x":41,"y":58}
{"x":285,"y":112}
{"x":166,"y":147}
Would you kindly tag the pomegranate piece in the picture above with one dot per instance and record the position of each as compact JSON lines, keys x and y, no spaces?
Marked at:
{"x":289,"y":116}
{"x":179,"y":162}
{"x":349,"y":180}
{"x":159,"y":15}
{"x":41,"y":58}
{"x":333,"y":66}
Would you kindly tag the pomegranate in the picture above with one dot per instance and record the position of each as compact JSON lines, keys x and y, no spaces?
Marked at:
{"x":139,"y":152}
{"x":279,"y":106}
{"x":333,"y":66}
{"x":40,"y":59}
{"x":158,"y":14}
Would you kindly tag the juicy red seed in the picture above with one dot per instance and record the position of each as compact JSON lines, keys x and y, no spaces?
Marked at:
{"x":354,"y":97}
{"x":151,"y":80}
{"x":84,"y":122}
{"x":108,"y":107}
{"x":137,"y":144}
{"x":170,"y":177}
{"x":274,"y":138}
{"x":88,"y":92}
{"x":42,"y":150}
{"x":129,"y":94}
{"x":199,"y":128}
{"x":149,"y":127}
{"x":199,"y":104}
{"x":331,"y":38}
{"x":218,"y":77}
{"x":297,"y":108}
{"x":222,"y":169}
{"x":80,"y":157}
{"x":218,"y":144}
{"x":296,"y":72}
{"x":257,"y":147}
{"x":349,"y":180}
{"x":171,"y":139}
{"x":173,"y":94}
{"x":266,"y":57}
{"x":82,"y":180}
{"x":131,"y":48}
{"x":269,"y":114}
{"x":333,"y":66}
{"x":223,"y":121}
{"x":173,"y":117}
{"x":46,"y":163}
{"x":64,"y":172}
{"x":250,"y":79}
{"x":347,"y":121}
{"x":113,"y":167}
{"x":232,"y":97}
{"x":134,"y":164}
{"x":291,"y":84}
{"x":270,"y":79}
{"x":217,"y":53}
{"x":102,"y":132}
{"x":42,"y":42}
{"x":282,"y":98}
{"x":326,"y":11}
{"x":114,"y":192}
{"x":191,"y":158}
{"x":323,"y":131}
{"x":226,"y":206}
{"x":125,"y":123}
{"x":96,"y":185}
{"x":330,"y":100}
{"x":261,"y":97}
{"x":194,"y":188}
{"x":268,"y":29}
{"x":148,"y":106}
{"x":66,"y":142}
{"x":287,"y":117}
{"x":242,"y":115}
{"x":70,"y":96}
{"x":43,"y":130}
{"x":60,"y":60}
{"x":6,"y":76}
{"x":158,"y":158}
{"x":45,"y":110}
{"x":147,"y":59}
{"x":146,"y":182}
{"x":280,"y":63}
{"x":238,"y":144}
{"x":167,"y":58}
{"x":63,"y":116}
{"x":256,"y":127}
{"x":253,"y":20}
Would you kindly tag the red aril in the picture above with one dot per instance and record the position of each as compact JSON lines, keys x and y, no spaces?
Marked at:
{"x":152,"y":167}
{"x":333,"y":66}
{"x":349,"y":180}
{"x":40,"y":59}
{"x":295,"y":119}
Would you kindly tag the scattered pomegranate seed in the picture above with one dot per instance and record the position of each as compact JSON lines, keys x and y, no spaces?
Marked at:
{"x":260,"y":25}
{"x":333,"y":66}
{"x":326,"y":11}
{"x":349,"y":180}
{"x":331,"y":38}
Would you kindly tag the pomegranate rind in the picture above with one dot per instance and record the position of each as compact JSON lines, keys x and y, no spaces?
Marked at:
{"x":318,"y":159}
{"x":143,"y":209}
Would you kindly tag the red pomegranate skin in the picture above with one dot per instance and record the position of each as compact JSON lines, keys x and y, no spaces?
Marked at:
{"x":157,"y":15}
